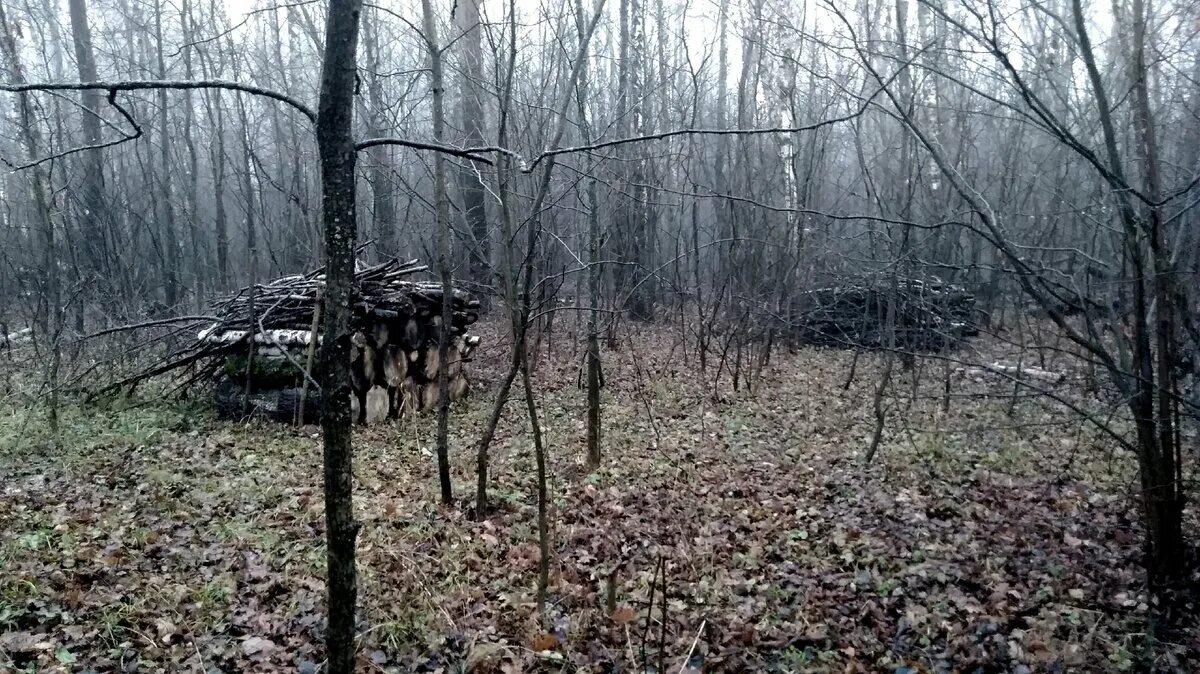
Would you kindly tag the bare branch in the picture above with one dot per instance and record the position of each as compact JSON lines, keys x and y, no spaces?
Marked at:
{"x":474,"y":154}
{"x":143,"y":85}
{"x":137,"y":133}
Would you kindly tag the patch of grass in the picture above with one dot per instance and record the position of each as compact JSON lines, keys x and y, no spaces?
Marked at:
{"x":403,"y":627}
{"x":114,"y":621}
{"x":213,"y":595}
{"x":84,"y":429}
{"x":248,"y":534}
{"x":15,"y":594}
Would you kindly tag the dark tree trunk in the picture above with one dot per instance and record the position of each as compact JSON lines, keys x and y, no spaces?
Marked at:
{"x":442,"y":234}
{"x":594,"y":264}
{"x":92,"y":193}
{"x":382,"y":192}
{"x":49,"y":313}
{"x":470,"y":111}
{"x":218,"y":170}
{"x":335,"y":121}
{"x":199,"y":261}
{"x":170,"y":243}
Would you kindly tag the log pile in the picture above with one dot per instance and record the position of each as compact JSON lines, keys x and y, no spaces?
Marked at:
{"x":266,"y":337}
{"x":930,"y":315}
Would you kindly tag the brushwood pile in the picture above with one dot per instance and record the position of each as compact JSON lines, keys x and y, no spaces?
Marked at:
{"x":262,"y":349}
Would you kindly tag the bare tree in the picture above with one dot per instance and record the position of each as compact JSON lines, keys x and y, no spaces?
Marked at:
{"x":335,"y":117}
{"x":471,"y":120}
{"x":442,"y":232}
{"x":93,"y":224}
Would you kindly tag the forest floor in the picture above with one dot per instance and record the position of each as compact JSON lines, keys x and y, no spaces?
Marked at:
{"x":990,"y":537}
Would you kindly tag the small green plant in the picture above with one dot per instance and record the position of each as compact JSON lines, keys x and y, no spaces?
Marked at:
{"x":83,"y":429}
{"x":886,"y":586}
{"x":403,"y":628}
{"x":114,"y":620}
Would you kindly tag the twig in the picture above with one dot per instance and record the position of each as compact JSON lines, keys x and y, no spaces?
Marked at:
{"x":147,"y":324}
{"x":688,"y":658}
{"x":112,"y":100}
{"x":199,"y":657}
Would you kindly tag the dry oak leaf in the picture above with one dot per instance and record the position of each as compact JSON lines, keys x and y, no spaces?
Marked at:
{"x":545,"y":642}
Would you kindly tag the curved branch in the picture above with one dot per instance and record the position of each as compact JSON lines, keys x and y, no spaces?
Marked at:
{"x":141,"y":85}
{"x":112,"y":100}
{"x":471,"y":153}
{"x":858,"y":112}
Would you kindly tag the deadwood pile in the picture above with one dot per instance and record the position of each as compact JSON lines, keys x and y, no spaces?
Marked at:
{"x":929,"y":315}
{"x":261,"y":352}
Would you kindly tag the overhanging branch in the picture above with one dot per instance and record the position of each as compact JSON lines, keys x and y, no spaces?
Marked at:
{"x":472,"y":153}
{"x":142,"y":85}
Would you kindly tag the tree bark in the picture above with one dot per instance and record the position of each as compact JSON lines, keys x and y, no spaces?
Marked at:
{"x":593,"y":261}
{"x":93,"y":228}
{"x":1164,"y":490}
{"x":442,"y":233}
{"x":471,"y":119}
{"x":382,"y":193}
{"x":171,"y":289}
{"x":539,"y":455}
{"x":199,"y":261}
{"x":218,"y":170}
{"x":49,"y":317}
{"x":335,"y":122}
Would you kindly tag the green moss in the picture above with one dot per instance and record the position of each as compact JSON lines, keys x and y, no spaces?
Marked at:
{"x":265,"y":373}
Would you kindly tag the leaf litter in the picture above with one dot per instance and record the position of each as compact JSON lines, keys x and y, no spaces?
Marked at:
{"x":201,"y":549}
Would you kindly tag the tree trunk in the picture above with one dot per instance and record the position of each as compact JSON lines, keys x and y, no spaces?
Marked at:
{"x":167,"y":212}
{"x":539,"y":455}
{"x":49,"y":317}
{"x":1164,"y":491}
{"x":1151,"y":399}
{"x":442,"y":233}
{"x":218,"y":170}
{"x":508,"y":276}
{"x":335,"y":123}
{"x":382,"y":193}
{"x":199,"y":261}
{"x":471,"y":120}
{"x":593,"y":261}
{"x":93,"y":228}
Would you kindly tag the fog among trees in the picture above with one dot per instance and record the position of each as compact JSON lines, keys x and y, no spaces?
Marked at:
{"x":938,"y":232}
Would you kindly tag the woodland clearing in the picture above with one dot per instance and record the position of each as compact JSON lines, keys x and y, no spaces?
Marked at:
{"x":999,"y":535}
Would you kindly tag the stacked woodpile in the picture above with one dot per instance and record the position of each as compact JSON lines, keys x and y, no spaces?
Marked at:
{"x":267,"y":337}
{"x":930,"y":315}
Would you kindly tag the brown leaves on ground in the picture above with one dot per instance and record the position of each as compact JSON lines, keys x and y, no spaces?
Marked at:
{"x":978,"y":541}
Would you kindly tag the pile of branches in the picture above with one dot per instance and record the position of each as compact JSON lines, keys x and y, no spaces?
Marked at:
{"x":379,"y":294}
{"x":928,"y":315}
{"x":276,"y":325}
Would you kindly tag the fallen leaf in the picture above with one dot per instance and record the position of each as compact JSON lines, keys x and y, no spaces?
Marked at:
{"x":484,"y":656}
{"x":624,"y":615}
{"x":166,"y":630}
{"x":545,"y":642}
{"x":257,"y":646}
